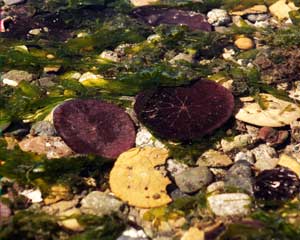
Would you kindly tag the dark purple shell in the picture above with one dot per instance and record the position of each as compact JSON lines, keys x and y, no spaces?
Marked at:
{"x":276,"y":185}
{"x":155,"y":16}
{"x":185,"y":113}
{"x":94,"y":127}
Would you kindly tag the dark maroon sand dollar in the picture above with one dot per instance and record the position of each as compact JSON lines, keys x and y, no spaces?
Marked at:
{"x":155,"y":16}
{"x":185,"y":113}
{"x":94,"y":127}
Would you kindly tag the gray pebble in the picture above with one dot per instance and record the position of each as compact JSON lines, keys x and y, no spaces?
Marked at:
{"x":257,"y":17}
{"x":43,"y":128}
{"x":193,"y":179}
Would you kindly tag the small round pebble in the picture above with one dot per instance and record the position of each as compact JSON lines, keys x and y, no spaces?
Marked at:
{"x":244,"y":43}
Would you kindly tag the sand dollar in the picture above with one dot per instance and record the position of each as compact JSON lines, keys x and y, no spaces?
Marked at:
{"x":135,"y":180}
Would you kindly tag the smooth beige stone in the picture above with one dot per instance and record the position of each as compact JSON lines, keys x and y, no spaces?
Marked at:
{"x":244,"y":43}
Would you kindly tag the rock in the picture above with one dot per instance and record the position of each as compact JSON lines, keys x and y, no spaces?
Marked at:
{"x":139,"y":3}
{"x":266,"y":157}
{"x":183,"y":57}
{"x":193,"y":179}
{"x":174,"y":167}
{"x":272,"y":136}
{"x":295,"y":130}
{"x":42,"y":128}
{"x":13,"y":2}
{"x":100,"y":204}
{"x":35,"y":31}
{"x":89,"y":76}
{"x":252,"y":10}
{"x":219,"y":173}
{"x":52,"y":69}
{"x":212,"y":158}
{"x":71,"y":223}
{"x":229,"y":204}
{"x":34,"y":195}
{"x":239,"y":141}
{"x":176,"y":193}
{"x":46,"y":82}
{"x":257,"y":17}
{"x":215,"y":187}
{"x":193,"y":234}
{"x":239,"y":176}
{"x":277,"y":112}
{"x":244,"y":43}
{"x":281,"y":9}
{"x":245,"y":156}
{"x":108,"y":55}
{"x":58,"y":192}
{"x":145,"y":139}
{"x":14,"y":77}
{"x":133,"y":234}
{"x":289,"y":162}
{"x":60,"y":207}
{"x":52,"y":147}
{"x":218,"y":17}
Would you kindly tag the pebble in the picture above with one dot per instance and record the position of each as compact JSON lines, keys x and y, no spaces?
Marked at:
{"x":89,"y":76}
{"x":289,"y":162}
{"x":281,"y":9}
{"x":252,"y":10}
{"x":193,"y":234}
{"x":239,"y":176}
{"x":229,"y":204}
{"x":295,"y":130}
{"x":244,"y":43}
{"x":239,"y":141}
{"x":60,"y":207}
{"x":52,"y":147}
{"x":212,"y":158}
{"x":13,"y":2}
{"x":34,"y":195}
{"x":99,"y":203}
{"x":266,"y":157}
{"x":174,"y":167}
{"x":145,"y":139}
{"x":42,"y":128}
{"x":193,"y":179}
{"x":139,"y":3}
{"x":272,"y":136}
{"x":215,"y":187}
{"x":257,"y":17}
{"x":109,"y":56}
{"x":14,"y":77}
{"x":133,"y":234}
{"x":218,"y":17}
{"x":46,"y":82}
{"x":71,"y":222}
{"x":57,"y":193}
{"x":52,"y":69}
{"x":187,"y":57}
{"x":35,"y":32}
{"x":245,"y":156}
{"x":277,"y":113}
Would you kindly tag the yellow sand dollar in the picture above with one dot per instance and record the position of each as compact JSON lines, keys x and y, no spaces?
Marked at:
{"x":135,"y":180}
{"x":277,"y":113}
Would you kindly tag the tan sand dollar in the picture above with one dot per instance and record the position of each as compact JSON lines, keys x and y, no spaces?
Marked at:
{"x":277,"y":112}
{"x":135,"y":180}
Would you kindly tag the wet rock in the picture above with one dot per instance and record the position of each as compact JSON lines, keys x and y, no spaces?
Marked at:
{"x":295,"y":130}
{"x":133,"y":234}
{"x":257,"y":17}
{"x":257,"y":9}
{"x":239,"y":176}
{"x":290,"y":163}
{"x":99,"y":203}
{"x":244,"y":43}
{"x":229,"y":204}
{"x":174,"y":167}
{"x":145,"y":139}
{"x":218,"y":17}
{"x":52,"y":147}
{"x":244,"y":156}
{"x":155,"y":16}
{"x":212,"y":158}
{"x":57,"y":193}
{"x":281,"y":9}
{"x":277,"y":112}
{"x":239,"y":141}
{"x":42,"y":128}
{"x":193,"y":179}
{"x":14,"y":77}
{"x":13,"y":2}
{"x":272,"y":136}
{"x":266,"y":157}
